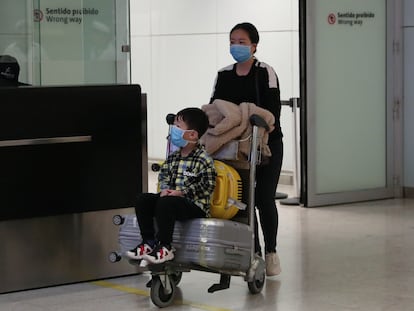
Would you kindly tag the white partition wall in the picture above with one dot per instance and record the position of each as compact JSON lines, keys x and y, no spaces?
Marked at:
{"x":178,"y":47}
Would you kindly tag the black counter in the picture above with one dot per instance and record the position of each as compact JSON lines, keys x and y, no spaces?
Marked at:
{"x":70,"y":149}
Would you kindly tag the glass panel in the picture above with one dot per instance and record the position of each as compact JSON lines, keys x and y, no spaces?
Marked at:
{"x":99,"y":44}
{"x":16,"y":35}
{"x":349,"y":95}
{"x":78,"y":41}
{"x":67,"y":42}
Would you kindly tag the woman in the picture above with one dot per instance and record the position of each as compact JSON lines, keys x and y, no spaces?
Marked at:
{"x":252,"y":81}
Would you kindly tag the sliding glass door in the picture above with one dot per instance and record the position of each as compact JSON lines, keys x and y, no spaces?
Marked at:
{"x":349,"y":102}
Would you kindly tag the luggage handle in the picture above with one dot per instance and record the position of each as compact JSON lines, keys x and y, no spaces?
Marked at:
{"x":220,"y":188}
{"x":233,"y":202}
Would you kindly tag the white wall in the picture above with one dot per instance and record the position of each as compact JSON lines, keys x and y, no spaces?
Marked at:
{"x":408,"y":93}
{"x":178,"y":46}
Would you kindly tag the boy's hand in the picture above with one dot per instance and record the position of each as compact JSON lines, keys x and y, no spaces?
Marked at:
{"x":164,"y":192}
{"x":173,"y":193}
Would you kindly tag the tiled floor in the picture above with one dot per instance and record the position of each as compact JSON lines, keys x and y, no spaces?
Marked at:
{"x":344,"y":257}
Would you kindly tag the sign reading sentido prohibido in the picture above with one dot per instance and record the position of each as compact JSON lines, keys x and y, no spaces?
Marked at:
{"x":350,"y":18}
{"x":74,"y":35}
{"x":63,"y":15}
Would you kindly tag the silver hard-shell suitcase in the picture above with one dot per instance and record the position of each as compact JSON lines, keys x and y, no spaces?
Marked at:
{"x":208,"y":242}
{"x":213,"y":243}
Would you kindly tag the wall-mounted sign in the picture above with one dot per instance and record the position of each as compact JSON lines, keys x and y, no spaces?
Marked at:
{"x":350,"y":18}
{"x":63,"y":15}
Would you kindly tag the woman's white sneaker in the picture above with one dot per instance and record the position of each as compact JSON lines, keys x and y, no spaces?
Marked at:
{"x":272,"y":264}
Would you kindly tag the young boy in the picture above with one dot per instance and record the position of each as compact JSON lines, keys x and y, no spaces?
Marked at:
{"x":186,"y":179}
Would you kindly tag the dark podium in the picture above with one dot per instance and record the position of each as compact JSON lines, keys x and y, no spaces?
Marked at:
{"x":70,"y":158}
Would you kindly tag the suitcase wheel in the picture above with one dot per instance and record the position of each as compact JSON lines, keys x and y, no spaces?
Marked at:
{"x":118,"y":220}
{"x":155,"y":167}
{"x":114,"y":257}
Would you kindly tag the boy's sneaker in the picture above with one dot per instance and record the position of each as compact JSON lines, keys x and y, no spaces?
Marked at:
{"x":272,"y":264}
{"x":138,"y":252}
{"x":160,"y":254}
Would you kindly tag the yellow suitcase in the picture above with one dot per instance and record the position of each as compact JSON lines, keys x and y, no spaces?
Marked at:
{"x":227,"y":193}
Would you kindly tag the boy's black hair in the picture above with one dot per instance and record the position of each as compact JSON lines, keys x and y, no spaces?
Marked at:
{"x":195,"y":118}
{"x":250,"y":29}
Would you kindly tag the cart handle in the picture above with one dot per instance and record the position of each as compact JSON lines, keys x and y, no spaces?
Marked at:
{"x":256,"y":120}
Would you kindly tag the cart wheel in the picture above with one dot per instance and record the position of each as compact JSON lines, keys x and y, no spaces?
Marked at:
{"x":257,"y":284}
{"x":158,"y":293}
{"x":118,"y":220}
{"x":114,"y":257}
{"x":176,"y":277}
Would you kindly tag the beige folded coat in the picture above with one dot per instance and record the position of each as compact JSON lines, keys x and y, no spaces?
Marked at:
{"x":230,"y":122}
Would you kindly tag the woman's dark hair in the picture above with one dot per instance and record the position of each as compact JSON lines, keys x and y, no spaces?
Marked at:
{"x":195,"y":118}
{"x":250,"y":29}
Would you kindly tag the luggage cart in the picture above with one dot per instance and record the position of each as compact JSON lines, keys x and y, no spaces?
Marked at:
{"x":224,"y":247}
